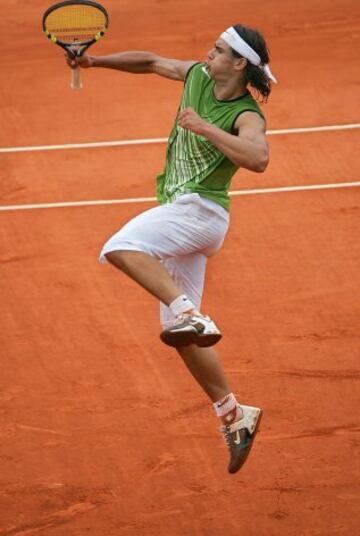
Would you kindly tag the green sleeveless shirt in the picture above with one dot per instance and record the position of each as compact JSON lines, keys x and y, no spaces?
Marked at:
{"x":193,"y":164}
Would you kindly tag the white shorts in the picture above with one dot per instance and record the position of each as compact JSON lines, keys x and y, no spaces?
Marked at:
{"x":182,"y":235}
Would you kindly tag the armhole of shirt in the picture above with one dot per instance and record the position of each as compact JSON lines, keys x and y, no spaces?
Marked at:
{"x":190,"y":69}
{"x":246,"y":110}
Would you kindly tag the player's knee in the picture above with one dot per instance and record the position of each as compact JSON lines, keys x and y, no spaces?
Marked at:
{"x":123,"y":259}
{"x":112,"y":256}
{"x":117,"y":258}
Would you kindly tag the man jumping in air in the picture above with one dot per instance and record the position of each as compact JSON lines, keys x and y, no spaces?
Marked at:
{"x":219,"y":128}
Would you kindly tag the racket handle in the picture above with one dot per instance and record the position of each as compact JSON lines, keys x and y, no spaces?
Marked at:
{"x":76,"y":84}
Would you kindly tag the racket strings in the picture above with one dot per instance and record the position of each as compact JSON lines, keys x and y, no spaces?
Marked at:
{"x":78,"y":23}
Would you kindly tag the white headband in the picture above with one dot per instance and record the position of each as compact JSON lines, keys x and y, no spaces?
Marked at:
{"x":233,"y":39}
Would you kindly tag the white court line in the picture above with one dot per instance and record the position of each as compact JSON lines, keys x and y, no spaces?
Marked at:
{"x":119,"y":143}
{"x":151,"y":199}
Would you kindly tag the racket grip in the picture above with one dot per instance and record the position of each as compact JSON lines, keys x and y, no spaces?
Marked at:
{"x":76,"y":84}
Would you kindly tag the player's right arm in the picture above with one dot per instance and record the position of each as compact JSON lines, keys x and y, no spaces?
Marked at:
{"x":137,"y":62}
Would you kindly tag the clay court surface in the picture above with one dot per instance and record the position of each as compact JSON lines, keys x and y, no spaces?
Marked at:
{"x":102,"y":430}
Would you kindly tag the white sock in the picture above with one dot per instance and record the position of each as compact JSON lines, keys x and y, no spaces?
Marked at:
{"x":181,"y":305}
{"x":227,"y":409}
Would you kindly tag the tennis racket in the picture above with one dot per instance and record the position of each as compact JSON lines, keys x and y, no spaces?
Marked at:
{"x":75,"y":26}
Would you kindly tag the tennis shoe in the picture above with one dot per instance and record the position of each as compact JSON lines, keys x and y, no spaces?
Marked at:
{"x":239,"y":436}
{"x":191,"y":329}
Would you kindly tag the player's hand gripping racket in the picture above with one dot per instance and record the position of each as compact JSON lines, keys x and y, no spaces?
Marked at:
{"x":75,"y":26}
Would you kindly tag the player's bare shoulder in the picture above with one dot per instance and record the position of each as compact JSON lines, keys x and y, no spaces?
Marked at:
{"x":172,"y":68}
{"x":250,"y":122}
{"x":251,"y":126}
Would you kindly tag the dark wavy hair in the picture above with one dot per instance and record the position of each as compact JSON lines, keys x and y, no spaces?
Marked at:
{"x":254,"y":75}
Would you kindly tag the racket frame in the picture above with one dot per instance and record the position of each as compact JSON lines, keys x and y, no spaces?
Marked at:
{"x":75,"y":49}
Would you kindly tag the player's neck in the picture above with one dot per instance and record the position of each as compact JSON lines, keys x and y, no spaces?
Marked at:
{"x":229,"y":89}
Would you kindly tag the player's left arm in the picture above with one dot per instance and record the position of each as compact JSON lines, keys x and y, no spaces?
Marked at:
{"x":247,"y":148}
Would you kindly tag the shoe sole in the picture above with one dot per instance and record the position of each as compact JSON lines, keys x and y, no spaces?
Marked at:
{"x":249,"y":446}
{"x":176,"y":339}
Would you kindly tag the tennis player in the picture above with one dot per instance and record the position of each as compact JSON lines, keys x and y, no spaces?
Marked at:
{"x":218,"y":129}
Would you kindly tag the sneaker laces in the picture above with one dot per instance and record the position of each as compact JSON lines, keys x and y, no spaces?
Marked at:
{"x":227,"y":435}
{"x":185,"y":316}
{"x":180,"y":319}
{"x":226,"y":431}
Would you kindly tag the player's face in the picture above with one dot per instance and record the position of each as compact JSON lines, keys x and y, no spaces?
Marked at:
{"x":220,"y":60}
